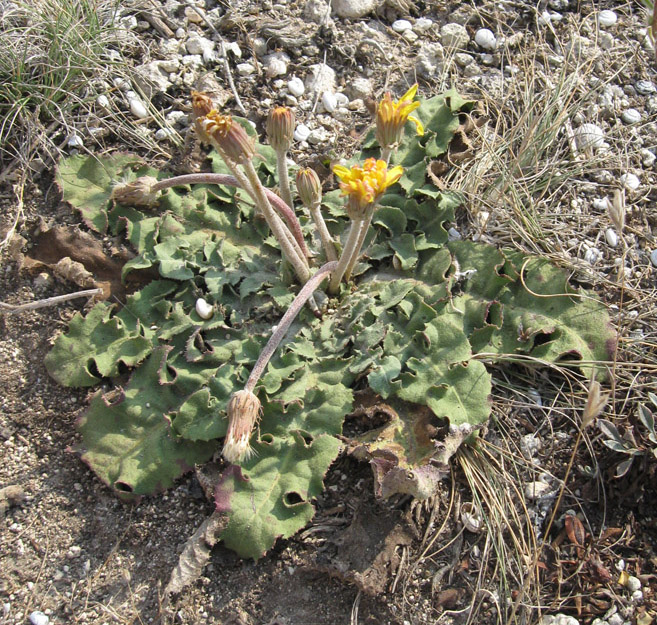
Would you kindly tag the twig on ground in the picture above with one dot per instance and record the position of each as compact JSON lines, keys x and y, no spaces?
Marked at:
{"x":50,"y":301}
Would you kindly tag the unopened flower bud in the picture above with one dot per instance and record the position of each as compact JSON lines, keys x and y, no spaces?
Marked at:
{"x":309,"y":187}
{"x":280,"y":128}
{"x":201,"y":106}
{"x":229,"y":136}
{"x":243,"y":411}
{"x":136,"y":193}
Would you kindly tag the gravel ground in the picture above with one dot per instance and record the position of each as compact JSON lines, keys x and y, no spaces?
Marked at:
{"x":71,"y":552}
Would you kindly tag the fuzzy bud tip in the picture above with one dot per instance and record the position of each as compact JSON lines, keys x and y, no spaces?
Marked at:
{"x":243,"y":411}
{"x":280,"y":128}
{"x":136,"y":193}
{"x":309,"y":187}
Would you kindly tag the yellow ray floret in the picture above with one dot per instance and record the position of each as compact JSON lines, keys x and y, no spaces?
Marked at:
{"x":391,"y":117}
{"x":364,"y":185}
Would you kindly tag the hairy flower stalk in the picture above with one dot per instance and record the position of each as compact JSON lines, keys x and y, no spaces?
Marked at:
{"x":363,"y":186}
{"x":236,"y":148}
{"x":391,"y":117}
{"x":280,"y":131}
{"x":277,"y":203}
{"x":310,"y":192}
{"x":244,"y":407}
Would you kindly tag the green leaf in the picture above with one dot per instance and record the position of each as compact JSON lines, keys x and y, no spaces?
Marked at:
{"x":270,"y":497}
{"x":98,"y":342}
{"x":128,"y":441}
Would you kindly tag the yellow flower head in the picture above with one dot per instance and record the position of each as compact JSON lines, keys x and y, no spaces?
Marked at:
{"x":364,"y":185}
{"x":228,"y":136}
{"x":391,"y":117}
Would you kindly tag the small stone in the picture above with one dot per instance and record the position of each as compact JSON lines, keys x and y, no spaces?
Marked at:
{"x":400,"y":26}
{"x":43,"y":281}
{"x":352,"y":9}
{"x":454,"y":36}
{"x":630,"y":181}
{"x":601,"y":204}
{"x":341,"y":99}
{"x":645,"y":87}
{"x":462,"y":59}
{"x":633,"y":583}
{"x":320,"y":78}
{"x":410,"y":35}
{"x":151,"y":78}
{"x":245,"y":69}
{"x":162,"y":134}
{"x":138,"y":108}
{"x":592,"y":255}
{"x":301,"y":133}
{"x":359,"y":88}
{"x":422,"y":25}
{"x":611,"y":237}
{"x":316,"y":10}
{"x":485,"y":39}
{"x":199,"y":45}
{"x":75,"y":141}
{"x":430,"y":60}
{"x":102,"y":101}
{"x":536,"y":490}
{"x":193,"y":16}
{"x":637,"y":596}
{"x":647,"y":157}
{"x":276,"y":64}
{"x":589,"y":136}
{"x":317,"y":136}
{"x":607,"y":18}
{"x":203,"y":309}
{"x":453,"y":234}
{"x":39,"y":618}
{"x":631,"y":116}
{"x":329,"y":101}
{"x":296,"y":87}
{"x":653,"y":258}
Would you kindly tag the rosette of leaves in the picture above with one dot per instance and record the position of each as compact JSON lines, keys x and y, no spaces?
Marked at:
{"x":415,"y":331}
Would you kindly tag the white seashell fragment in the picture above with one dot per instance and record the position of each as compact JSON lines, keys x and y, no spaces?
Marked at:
{"x":102,"y":101}
{"x":203,"y":309}
{"x":536,"y":490}
{"x":631,"y":116}
{"x":329,"y":101}
{"x":589,"y":136}
{"x":296,"y":87}
{"x":630,"y":181}
{"x":75,"y":141}
{"x":607,"y":18}
{"x":611,"y":237}
{"x":653,"y":258}
{"x":471,"y":518}
{"x":485,"y":39}
{"x":138,"y":108}
{"x":301,"y":133}
{"x":399,"y":26}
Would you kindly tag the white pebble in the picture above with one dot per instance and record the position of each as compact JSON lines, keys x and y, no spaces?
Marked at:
{"x":410,"y":35}
{"x":611,"y":237}
{"x":203,"y":309}
{"x":296,"y":87}
{"x":633,"y":583}
{"x":592,"y":255}
{"x":164,"y":133}
{"x":422,"y":24}
{"x":631,"y":116}
{"x":630,"y":181}
{"x":39,"y":618}
{"x":245,"y":69}
{"x":341,"y":99}
{"x":485,"y":39}
{"x":589,"y":136}
{"x":453,"y":234}
{"x":75,"y":141}
{"x":399,"y":26}
{"x":601,"y":204}
{"x":653,"y":258}
{"x":536,"y":490}
{"x":138,"y":108}
{"x":637,"y":596}
{"x":607,"y":18}
{"x":317,"y":136}
{"x":301,"y":133}
{"x":647,"y":157}
{"x":329,"y":101}
{"x":102,"y":101}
